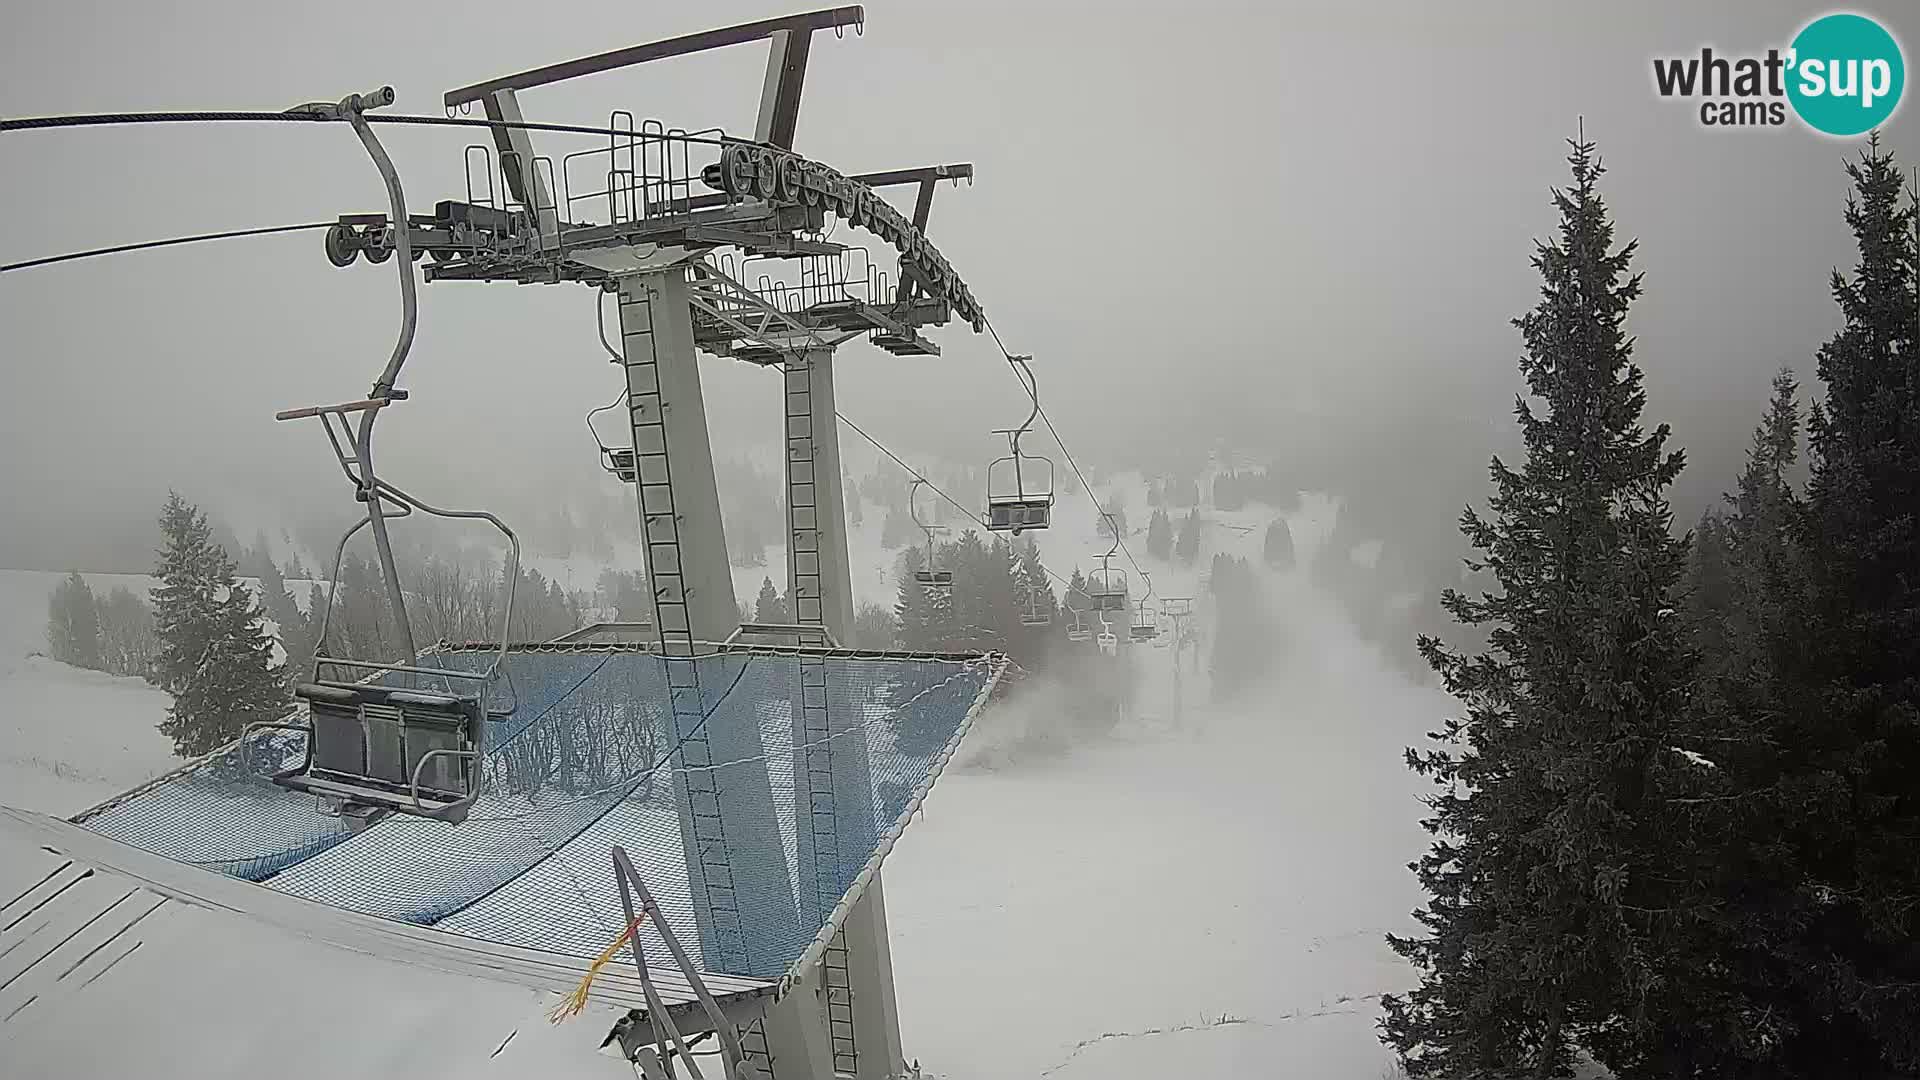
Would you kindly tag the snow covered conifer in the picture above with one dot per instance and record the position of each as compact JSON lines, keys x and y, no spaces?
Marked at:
{"x":1556,"y":849}
{"x":73,"y":623}
{"x":1160,"y":535}
{"x":216,"y":657}
{"x":1187,"y":547}
{"x":1278,"y":546}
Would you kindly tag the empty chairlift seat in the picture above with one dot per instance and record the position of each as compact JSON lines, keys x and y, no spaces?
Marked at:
{"x":618,"y":460}
{"x":1144,"y":627}
{"x":1019,"y":493}
{"x":385,"y":747}
{"x":1107,"y":589}
{"x":1020,"y":486}
{"x":929,"y":575}
{"x":1015,"y":514}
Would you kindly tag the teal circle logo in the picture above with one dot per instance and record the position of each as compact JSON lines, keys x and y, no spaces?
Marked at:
{"x":1846,"y":74}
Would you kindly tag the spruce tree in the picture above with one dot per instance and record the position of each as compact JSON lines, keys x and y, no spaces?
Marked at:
{"x":290,"y":626}
{"x":1278,"y":546}
{"x":1187,"y":547}
{"x":768,"y":607}
{"x":73,"y":623}
{"x":1076,"y":599}
{"x":1160,"y":535}
{"x":873,"y":628}
{"x":127,"y":643}
{"x":216,"y":657}
{"x":1555,"y":840}
{"x":1709,"y":589}
{"x":1838,"y":740}
{"x":918,"y":614}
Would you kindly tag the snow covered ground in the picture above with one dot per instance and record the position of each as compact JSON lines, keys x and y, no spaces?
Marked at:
{"x":69,"y":738}
{"x":1198,"y":899}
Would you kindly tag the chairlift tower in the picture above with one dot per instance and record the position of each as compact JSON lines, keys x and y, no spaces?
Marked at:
{"x":718,"y":244}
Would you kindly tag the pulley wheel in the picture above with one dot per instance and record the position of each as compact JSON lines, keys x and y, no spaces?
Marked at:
{"x":342,"y":245}
{"x":378,"y":254}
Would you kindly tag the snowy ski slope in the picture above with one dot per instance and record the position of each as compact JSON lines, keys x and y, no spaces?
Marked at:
{"x":1031,"y":936}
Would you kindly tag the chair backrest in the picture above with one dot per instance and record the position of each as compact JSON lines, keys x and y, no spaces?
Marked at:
{"x":376,"y":737}
{"x":1018,"y":514}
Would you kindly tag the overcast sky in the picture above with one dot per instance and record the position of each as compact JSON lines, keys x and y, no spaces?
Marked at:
{"x":1314,"y":218}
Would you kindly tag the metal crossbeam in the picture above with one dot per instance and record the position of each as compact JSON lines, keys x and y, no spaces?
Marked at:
{"x":824,"y":19}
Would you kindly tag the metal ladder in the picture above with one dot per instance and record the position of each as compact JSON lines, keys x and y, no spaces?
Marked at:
{"x":753,"y":1046}
{"x":653,"y":475}
{"x":809,"y":609}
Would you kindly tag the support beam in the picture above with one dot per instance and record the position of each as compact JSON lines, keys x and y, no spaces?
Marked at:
{"x":515,"y":147}
{"x":876,"y":1011}
{"x":814,"y":482}
{"x":854,"y":978}
{"x":736,"y":862}
{"x":780,"y":95}
{"x":670,"y":431}
{"x":825,"y":19}
{"x":797,"y":1035}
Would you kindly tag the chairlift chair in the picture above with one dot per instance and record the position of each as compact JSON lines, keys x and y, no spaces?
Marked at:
{"x":1033,"y":616}
{"x":1078,"y":630}
{"x":1145,"y":627}
{"x":373,"y":748}
{"x":1108,"y":642}
{"x":1020,"y":486}
{"x":618,"y":460}
{"x":392,"y":747}
{"x":928,"y":576}
{"x":1107,"y":588}
{"x":1107,"y":584}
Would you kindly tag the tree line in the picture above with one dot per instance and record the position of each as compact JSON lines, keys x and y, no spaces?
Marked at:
{"x":111,"y":633}
{"x":1676,"y":826}
{"x":208,"y":637}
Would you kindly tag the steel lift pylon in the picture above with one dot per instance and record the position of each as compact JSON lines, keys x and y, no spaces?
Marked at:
{"x":667,"y":222}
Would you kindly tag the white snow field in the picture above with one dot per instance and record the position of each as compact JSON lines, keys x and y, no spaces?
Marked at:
{"x":69,"y":738}
{"x":1197,"y":899}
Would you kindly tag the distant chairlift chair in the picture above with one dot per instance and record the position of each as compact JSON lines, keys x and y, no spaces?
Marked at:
{"x":1145,"y":627}
{"x":1034,"y":615}
{"x":375,"y":747}
{"x":928,"y":576}
{"x":617,"y":460}
{"x":1077,"y":630}
{"x":1107,"y":588}
{"x":1107,"y":584}
{"x":1020,"y":486}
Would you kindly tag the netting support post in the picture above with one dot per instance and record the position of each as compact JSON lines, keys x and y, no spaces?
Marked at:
{"x":876,"y":1011}
{"x":796,"y":1033}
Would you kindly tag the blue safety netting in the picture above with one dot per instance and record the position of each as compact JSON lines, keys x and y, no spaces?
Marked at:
{"x":589,"y":752}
